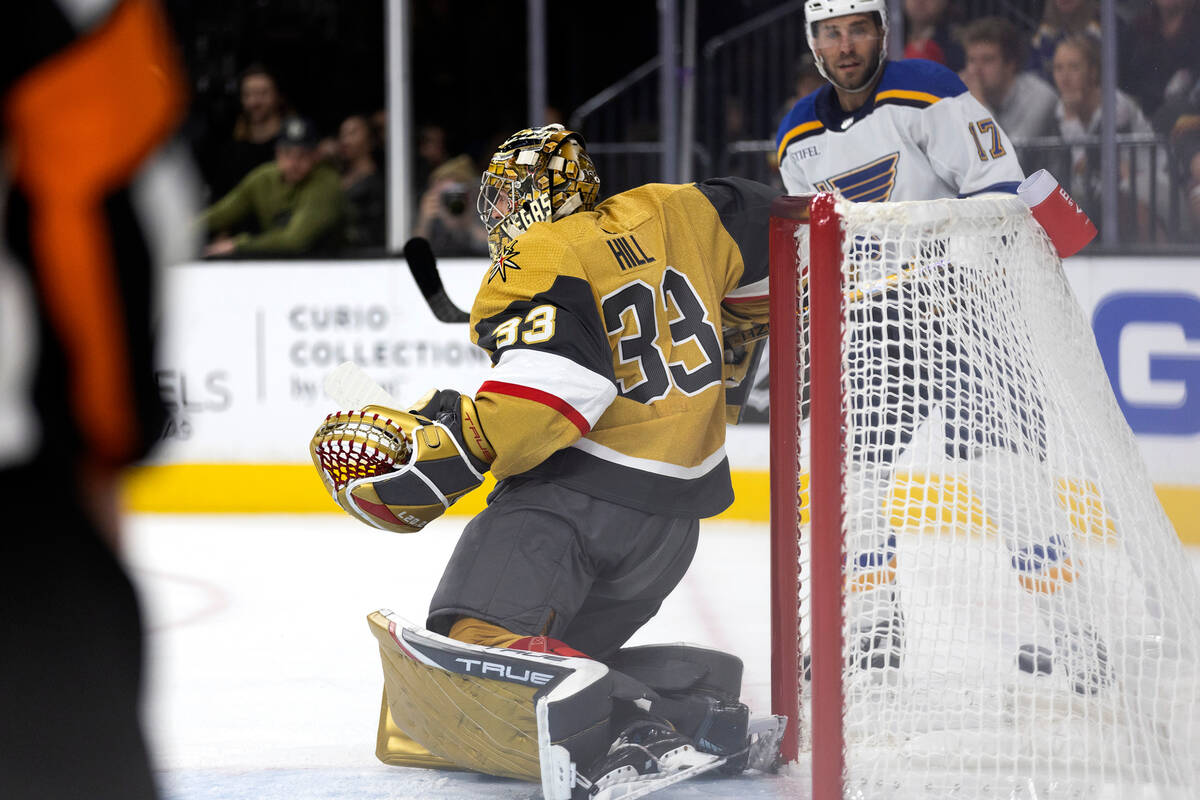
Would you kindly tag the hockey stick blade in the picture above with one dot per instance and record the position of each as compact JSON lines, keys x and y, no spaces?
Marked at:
{"x":351,"y":387}
{"x":423,"y":266}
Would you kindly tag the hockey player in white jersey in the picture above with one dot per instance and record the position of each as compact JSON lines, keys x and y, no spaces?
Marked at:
{"x":880,"y":130}
{"x":910,"y":130}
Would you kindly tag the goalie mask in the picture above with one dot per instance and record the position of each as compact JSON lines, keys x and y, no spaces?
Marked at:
{"x":538,"y":174}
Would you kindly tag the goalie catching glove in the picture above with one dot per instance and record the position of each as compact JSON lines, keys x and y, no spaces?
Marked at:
{"x":398,"y":470}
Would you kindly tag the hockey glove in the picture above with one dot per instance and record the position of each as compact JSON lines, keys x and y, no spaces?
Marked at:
{"x":398,"y":470}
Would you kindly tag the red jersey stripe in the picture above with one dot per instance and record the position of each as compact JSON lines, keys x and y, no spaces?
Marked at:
{"x":538,"y":396}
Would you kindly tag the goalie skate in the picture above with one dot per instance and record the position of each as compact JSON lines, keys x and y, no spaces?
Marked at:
{"x":646,"y":757}
{"x":631,"y":769}
{"x":1078,"y":652}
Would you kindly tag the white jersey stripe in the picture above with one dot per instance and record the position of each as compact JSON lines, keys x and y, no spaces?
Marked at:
{"x":580,"y":388}
{"x":649,"y":465}
{"x":751,"y":291}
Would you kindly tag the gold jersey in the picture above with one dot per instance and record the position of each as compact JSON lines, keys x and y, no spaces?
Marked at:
{"x":605,"y":334}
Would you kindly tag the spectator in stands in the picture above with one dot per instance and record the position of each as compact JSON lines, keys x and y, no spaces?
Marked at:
{"x":1161,"y":58}
{"x":1060,"y":19}
{"x":432,"y":152}
{"x":1185,"y":152}
{"x":296,"y":201}
{"x":253,"y":138}
{"x":929,"y":33}
{"x":446,"y":216}
{"x":328,"y":150}
{"x":362,"y":183}
{"x":806,"y":79}
{"x":1077,"y":76}
{"x":1022,"y":102}
{"x":379,"y":123}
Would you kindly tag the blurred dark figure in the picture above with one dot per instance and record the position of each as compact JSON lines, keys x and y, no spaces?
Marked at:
{"x":252,"y":141}
{"x":362,"y":183}
{"x":432,"y":152}
{"x":1185,"y":152}
{"x":929,"y":33}
{"x":90,"y":93}
{"x":1162,"y":56}
{"x":806,"y":79}
{"x":296,"y":202}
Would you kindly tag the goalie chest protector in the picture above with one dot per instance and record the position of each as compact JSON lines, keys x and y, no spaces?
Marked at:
{"x":611,"y":320}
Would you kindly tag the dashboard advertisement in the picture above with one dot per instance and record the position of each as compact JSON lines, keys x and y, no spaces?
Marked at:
{"x":248,"y":343}
{"x":1145,"y":315}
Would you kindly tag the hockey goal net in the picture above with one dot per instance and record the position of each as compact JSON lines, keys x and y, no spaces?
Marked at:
{"x":975,"y":590}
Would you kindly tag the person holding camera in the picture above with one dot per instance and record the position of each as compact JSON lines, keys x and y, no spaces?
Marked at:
{"x":446,"y":216}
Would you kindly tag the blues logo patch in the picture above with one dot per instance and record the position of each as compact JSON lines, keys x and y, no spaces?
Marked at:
{"x":870,"y":183}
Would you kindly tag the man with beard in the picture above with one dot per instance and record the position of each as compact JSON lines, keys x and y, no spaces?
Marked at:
{"x":880,"y":130}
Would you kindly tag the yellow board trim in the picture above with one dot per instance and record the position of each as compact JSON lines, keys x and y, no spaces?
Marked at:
{"x":295,"y":488}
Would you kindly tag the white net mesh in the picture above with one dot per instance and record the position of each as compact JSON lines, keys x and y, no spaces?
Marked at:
{"x":1020,"y":618}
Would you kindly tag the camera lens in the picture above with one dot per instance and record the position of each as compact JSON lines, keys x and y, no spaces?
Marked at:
{"x":454,"y":198}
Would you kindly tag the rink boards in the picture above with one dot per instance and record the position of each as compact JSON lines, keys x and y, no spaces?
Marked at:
{"x":247,"y":344}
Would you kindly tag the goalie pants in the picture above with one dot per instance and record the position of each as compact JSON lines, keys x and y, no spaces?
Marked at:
{"x":70,"y":654}
{"x":543,"y":559}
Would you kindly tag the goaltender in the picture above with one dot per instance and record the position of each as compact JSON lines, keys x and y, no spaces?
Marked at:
{"x":603,"y":420}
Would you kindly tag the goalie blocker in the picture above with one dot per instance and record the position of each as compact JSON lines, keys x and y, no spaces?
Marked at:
{"x":564,"y":721}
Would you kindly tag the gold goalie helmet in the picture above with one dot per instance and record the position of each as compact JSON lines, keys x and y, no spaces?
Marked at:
{"x":538,"y":174}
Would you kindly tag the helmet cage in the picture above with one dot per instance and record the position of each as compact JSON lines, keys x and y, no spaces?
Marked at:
{"x":538,"y":174}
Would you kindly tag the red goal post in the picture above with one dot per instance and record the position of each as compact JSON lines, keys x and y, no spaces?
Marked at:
{"x":787,"y":345}
{"x":975,"y":592}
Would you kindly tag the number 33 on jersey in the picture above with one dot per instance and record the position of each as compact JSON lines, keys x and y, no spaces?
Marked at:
{"x":604,"y":330}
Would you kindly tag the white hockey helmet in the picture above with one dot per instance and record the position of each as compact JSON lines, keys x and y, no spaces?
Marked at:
{"x":817,"y":10}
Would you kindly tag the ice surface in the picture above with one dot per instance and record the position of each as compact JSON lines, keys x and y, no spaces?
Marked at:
{"x":264,"y":682}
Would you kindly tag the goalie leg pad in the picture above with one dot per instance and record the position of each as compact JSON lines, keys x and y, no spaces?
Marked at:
{"x":490,"y":709}
{"x":396,"y":748}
